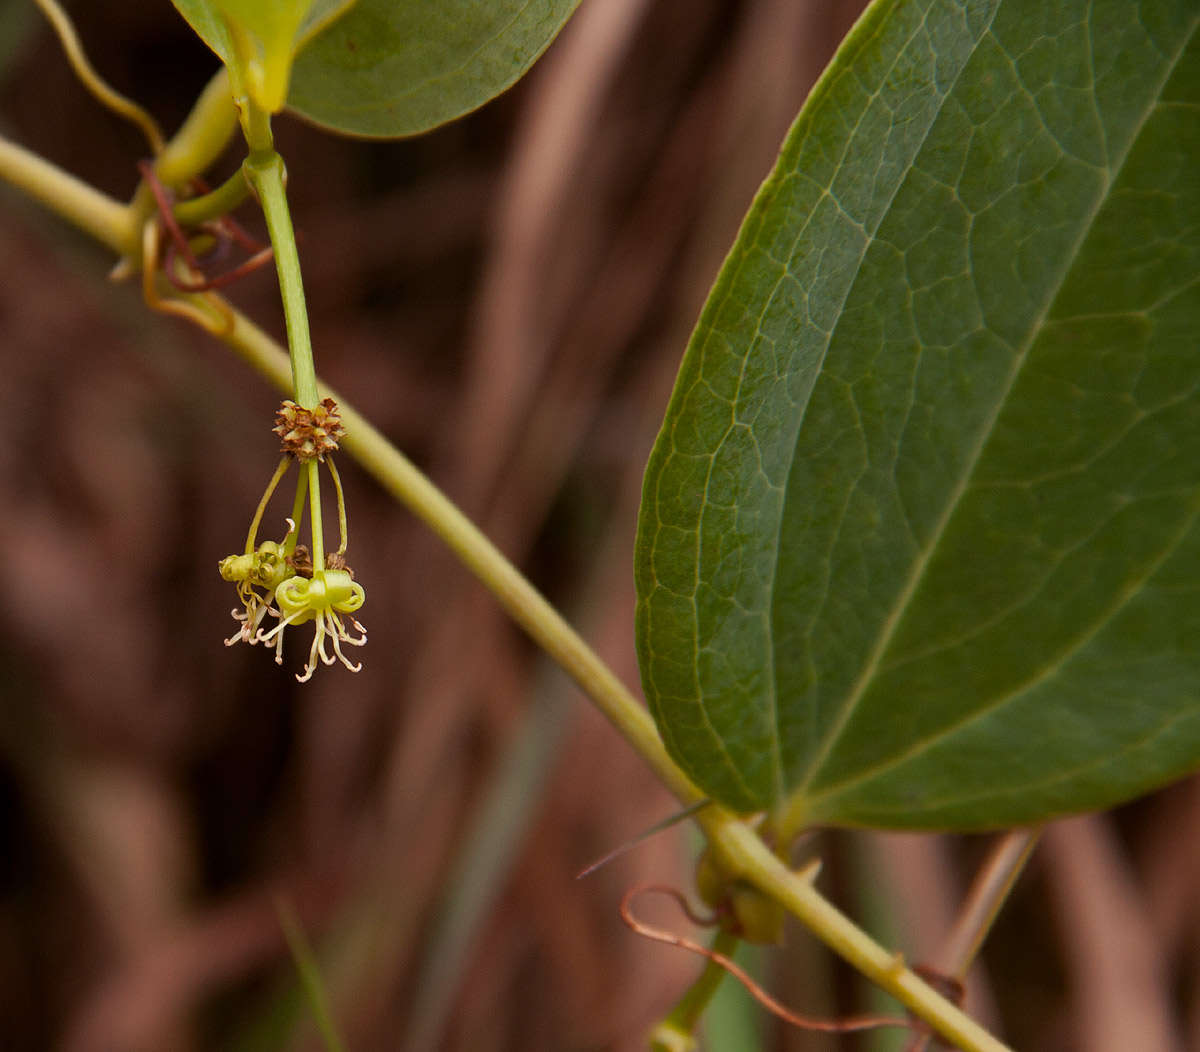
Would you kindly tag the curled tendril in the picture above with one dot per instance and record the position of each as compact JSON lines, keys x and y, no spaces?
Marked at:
{"x":324,"y":599}
{"x":776,"y":1008}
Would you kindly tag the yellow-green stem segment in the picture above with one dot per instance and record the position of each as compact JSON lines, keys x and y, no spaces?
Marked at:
{"x":743,"y":852}
{"x":108,"y":221}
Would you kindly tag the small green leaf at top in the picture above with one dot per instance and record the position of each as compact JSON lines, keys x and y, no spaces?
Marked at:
{"x":392,"y":68}
{"x":205,"y":19}
{"x":919,"y":544}
{"x":257,"y":40}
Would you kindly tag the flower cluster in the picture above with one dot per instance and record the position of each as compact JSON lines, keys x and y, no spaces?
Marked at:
{"x":323,"y":599}
{"x":282,"y":579}
{"x":287,"y":588}
{"x":257,"y":575}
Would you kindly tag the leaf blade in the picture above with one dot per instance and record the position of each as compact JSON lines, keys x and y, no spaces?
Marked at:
{"x":388,"y":69}
{"x":884,"y":360}
{"x":209,"y":26}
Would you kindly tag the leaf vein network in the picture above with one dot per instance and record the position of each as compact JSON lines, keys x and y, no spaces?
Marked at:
{"x":417,"y":87}
{"x":895,"y":615}
{"x":1059,"y":776}
{"x":1050,"y":670}
{"x":827,"y":191}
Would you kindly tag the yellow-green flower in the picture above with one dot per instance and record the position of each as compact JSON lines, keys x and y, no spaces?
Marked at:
{"x":324,"y":599}
{"x":257,"y":574}
{"x":283,"y":579}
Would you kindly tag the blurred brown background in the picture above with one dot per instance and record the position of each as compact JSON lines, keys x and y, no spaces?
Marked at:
{"x":507,"y":298}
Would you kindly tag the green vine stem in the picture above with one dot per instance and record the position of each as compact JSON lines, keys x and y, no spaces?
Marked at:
{"x":81,"y":205}
{"x":742,"y":851}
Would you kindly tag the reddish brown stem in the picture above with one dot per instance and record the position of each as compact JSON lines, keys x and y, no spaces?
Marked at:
{"x":225,"y":230}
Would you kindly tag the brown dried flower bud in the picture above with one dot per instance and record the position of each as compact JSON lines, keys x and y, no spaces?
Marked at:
{"x":337,"y":561}
{"x":309,"y":433}
{"x":301,"y":561}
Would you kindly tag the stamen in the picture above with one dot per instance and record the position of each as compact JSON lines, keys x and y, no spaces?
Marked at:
{"x":260,"y":615}
{"x":242,"y":634}
{"x":347,"y":638}
{"x":337,"y":647}
{"x":326,"y":659}
{"x":311,"y":666}
{"x":278,"y":629}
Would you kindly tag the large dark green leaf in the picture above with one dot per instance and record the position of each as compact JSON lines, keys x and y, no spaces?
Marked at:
{"x":919,"y":543}
{"x":398,"y":67}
